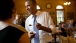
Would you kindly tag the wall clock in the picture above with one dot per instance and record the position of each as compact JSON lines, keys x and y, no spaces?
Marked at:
{"x":48,"y":6}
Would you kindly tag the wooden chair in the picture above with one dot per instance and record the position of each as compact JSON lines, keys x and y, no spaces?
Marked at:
{"x":71,"y":40}
{"x":69,"y":32}
{"x":64,"y":39}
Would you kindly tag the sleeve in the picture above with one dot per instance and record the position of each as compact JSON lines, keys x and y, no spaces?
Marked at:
{"x":50,"y":23}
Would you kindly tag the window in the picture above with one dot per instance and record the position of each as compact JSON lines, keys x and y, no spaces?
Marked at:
{"x":38,"y":7}
{"x":60,"y":14}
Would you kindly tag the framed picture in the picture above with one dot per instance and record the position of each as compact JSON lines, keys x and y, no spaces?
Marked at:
{"x":70,"y":15}
{"x":51,"y":13}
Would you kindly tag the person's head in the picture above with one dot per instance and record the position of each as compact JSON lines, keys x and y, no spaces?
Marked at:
{"x":60,"y":21}
{"x":7,"y":9}
{"x":70,"y":21}
{"x":63,"y":25}
{"x":24,"y":19}
{"x":31,"y":6}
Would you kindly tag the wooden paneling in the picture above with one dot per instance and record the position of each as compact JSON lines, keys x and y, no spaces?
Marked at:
{"x":20,"y":6}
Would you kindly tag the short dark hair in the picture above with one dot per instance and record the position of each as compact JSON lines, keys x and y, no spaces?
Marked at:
{"x":33,"y":1}
{"x":6,"y":9}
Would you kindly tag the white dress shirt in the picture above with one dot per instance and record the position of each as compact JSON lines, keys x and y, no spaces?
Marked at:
{"x":45,"y":20}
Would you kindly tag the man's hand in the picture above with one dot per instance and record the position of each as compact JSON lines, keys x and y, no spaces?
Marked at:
{"x":58,"y":31}
{"x":39,"y":26}
{"x":32,"y":34}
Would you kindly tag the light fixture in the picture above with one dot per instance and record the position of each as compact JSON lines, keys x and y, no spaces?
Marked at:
{"x":67,"y":3}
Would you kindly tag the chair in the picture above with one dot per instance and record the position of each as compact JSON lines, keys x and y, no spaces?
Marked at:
{"x":64,"y":39}
{"x":71,"y":40}
{"x":69,"y":32}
